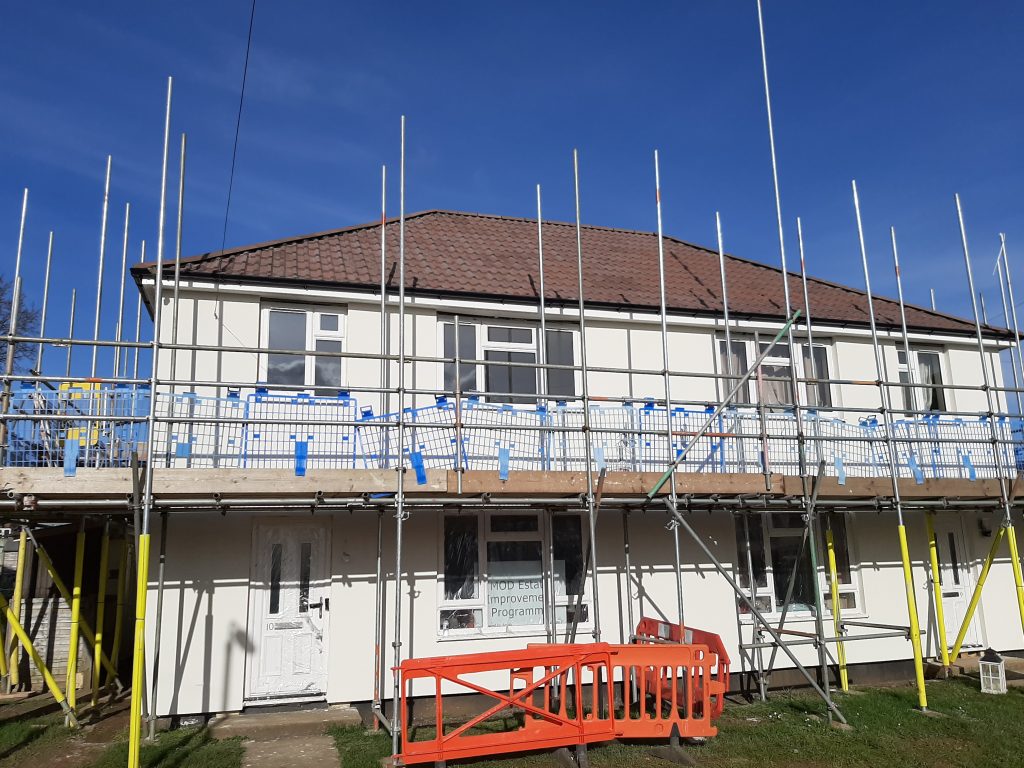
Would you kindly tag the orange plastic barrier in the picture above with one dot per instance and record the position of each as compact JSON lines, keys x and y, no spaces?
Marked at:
{"x":552,"y":696}
{"x":654,"y":631}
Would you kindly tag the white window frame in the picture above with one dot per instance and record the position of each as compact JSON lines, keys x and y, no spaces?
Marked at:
{"x":751,"y":343}
{"x":767,"y":592}
{"x":913,"y":371}
{"x":479,"y":603}
{"x":312,"y":315}
{"x":484,"y":345}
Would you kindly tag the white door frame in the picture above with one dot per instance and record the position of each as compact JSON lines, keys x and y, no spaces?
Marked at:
{"x":301,"y":616}
{"x":950,"y":531}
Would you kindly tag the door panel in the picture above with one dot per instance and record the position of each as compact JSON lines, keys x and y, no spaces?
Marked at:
{"x":288,"y":604}
{"x":956,"y":579}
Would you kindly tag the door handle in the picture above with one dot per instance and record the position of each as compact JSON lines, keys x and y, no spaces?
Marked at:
{"x":324,"y":604}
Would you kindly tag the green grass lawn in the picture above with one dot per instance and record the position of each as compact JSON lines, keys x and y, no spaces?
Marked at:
{"x":183,"y":748}
{"x":971,"y":731}
{"x":19,"y":738}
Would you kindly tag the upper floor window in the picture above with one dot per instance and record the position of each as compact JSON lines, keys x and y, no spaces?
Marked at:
{"x":319,"y":329}
{"x":924,"y":369}
{"x":773,"y":387}
{"x":508,"y":352}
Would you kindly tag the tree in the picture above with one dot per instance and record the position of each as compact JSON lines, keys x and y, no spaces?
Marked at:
{"x":28,"y":325}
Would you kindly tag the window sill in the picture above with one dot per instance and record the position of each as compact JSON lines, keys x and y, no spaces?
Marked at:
{"x":583,"y":630}
{"x":802,"y":618}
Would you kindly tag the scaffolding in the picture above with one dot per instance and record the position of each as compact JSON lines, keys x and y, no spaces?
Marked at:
{"x":816,"y":460}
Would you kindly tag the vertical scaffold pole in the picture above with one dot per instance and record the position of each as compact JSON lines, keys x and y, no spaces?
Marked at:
{"x":550,"y":609}
{"x":158,"y":626}
{"x":588,"y":448}
{"x":997,"y":449}
{"x":385,"y":364}
{"x":142,"y":579}
{"x":815,"y":386}
{"x":1013,"y":307}
{"x":1006,"y":324}
{"x":118,"y":352}
{"x":122,"y":581}
{"x":378,"y":657}
{"x":138,"y":323}
{"x":667,"y":384}
{"x":71,"y":682}
{"x":101,"y":608}
{"x":940,"y":612}
{"x":11,"y":328}
{"x":629,"y":576}
{"x":908,"y":575}
{"x":14,"y":678}
{"x":837,"y":619}
{"x":71,"y":332}
{"x":396,"y":714}
{"x":46,"y":301}
{"x":175,"y":296}
{"x":99,"y":271}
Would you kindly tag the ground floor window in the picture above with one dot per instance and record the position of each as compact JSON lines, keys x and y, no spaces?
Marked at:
{"x":779,"y":555}
{"x":504,"y":571}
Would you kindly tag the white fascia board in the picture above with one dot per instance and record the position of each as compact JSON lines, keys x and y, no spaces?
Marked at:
{"x":521,"y":311}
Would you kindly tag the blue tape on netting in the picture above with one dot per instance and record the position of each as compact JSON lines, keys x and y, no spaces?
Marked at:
{"x":416,"y":459}
{"x":599,"y":457}
{"x":918,"y":474}
{"x":503,"y":458}
{"x":840,"y":470}
{"x":71,"y":449}
{"x":301,"y":453}
{"x":971,"y":473}
{"x":183,"y":450}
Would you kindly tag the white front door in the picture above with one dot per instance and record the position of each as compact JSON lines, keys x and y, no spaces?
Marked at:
{"x":957,"y":582}
{"x":288,"y":611}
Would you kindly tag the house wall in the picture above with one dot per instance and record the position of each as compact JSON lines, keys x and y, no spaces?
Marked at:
{"x":624,"y":340}
{"x":206,"y":632}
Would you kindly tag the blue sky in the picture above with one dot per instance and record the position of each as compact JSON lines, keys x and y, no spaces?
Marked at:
{"x":916,"y":102}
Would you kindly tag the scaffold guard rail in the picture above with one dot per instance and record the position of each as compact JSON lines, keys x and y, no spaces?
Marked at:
{"x":83,"y":424}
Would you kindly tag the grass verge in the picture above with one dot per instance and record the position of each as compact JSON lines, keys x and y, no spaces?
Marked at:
{"x":184,"y":748}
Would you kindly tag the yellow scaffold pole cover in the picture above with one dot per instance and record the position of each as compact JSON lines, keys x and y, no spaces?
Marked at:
{"x":101,"y":608}
{"x":71,"y":685}
{"x":976,"y":596}
{"x":122,"y":580}
{"x":62,"y":588}
{"x":1018,"y":580}
{"x":138,"y":659}
{"x":915,"y":626}
{"x":844,"y":680}
{"x":940,"y":614}
{"x":14,"y":680}
{"x":26,"y":643}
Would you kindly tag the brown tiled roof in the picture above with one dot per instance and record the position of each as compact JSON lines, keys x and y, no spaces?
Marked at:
{"x":450,"y":253}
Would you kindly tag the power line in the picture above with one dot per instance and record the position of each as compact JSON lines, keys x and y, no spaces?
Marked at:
{"x":238,"y":126}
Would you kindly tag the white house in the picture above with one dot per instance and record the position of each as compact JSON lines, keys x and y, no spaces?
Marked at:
{"x":279,"y":603}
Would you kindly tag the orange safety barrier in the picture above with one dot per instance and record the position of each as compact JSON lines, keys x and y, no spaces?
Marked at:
{"x":654,"y":631}
{"x":551,"y":696}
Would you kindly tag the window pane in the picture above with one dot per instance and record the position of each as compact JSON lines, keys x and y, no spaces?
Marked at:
{"x":930,"y":371}
{"x":776,"y":384}
{"x":328,"y":369}
{"x":738,"y":363}
{"x":558,"y":350}
{"x":568,"y":554}
{"x":513,"y":523}
{"x":515,"y":591}
{"x":461,"y":558}
{"x":275,"y":579}
{"x":460,"y":618}
{"x":510,"y":335}
{"x":789,"y":555}
{"x":467,"y":351}
{"x":286,"y":330}
{"x":818,"y":395}
{"x":780,"y":350}
{"x":511,"y":378}
{"x":305,"y":561}
{"x":756,"y":551}
{"x":328,"y":322}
